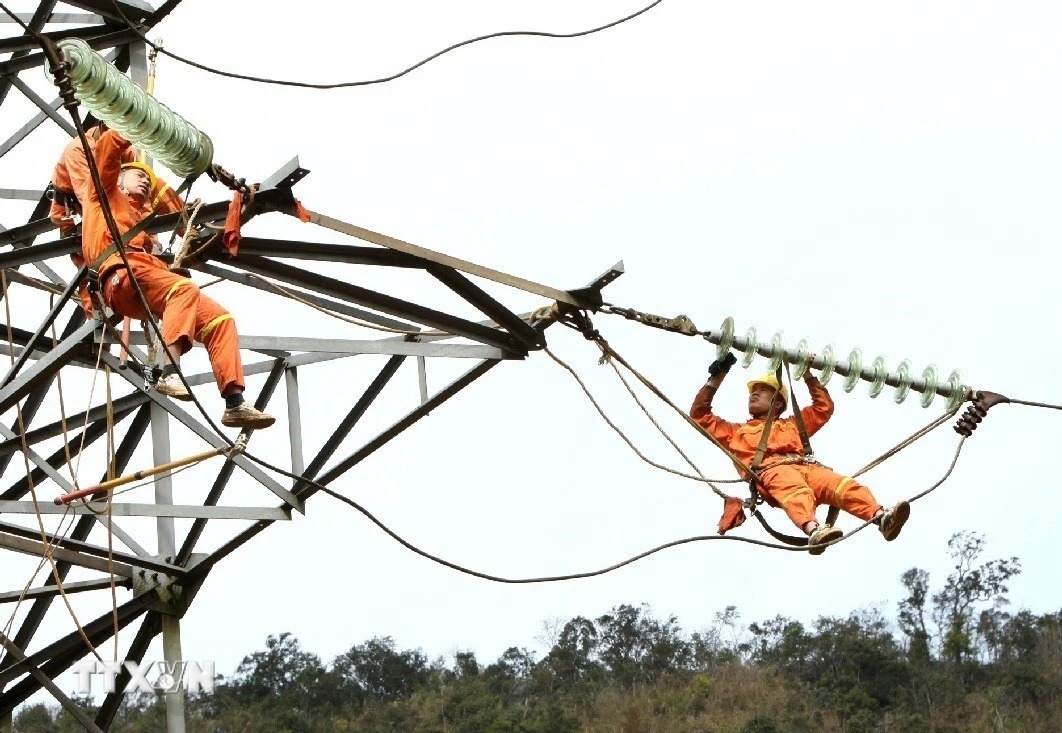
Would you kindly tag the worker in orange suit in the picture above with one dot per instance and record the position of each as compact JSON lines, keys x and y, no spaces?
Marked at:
{"x":790,"y":480}
{"x":71,"y":182}
{"x":187,"y":314}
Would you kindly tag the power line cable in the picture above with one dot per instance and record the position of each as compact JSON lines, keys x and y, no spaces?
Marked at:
{"x":383,"y":79}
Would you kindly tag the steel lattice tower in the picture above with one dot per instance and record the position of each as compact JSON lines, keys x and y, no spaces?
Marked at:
{"x":156,"y":588}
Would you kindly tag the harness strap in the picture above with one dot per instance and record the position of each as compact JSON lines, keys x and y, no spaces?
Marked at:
{"x":797,"y":417}
{"x":131,"y":232}
{"x":783,"y":538}
{"x":833,"y":512}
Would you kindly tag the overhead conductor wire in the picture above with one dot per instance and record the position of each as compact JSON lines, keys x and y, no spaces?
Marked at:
{"x":382,"y":79}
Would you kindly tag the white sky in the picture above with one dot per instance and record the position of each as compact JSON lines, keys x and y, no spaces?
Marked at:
{"x":880,"y":175}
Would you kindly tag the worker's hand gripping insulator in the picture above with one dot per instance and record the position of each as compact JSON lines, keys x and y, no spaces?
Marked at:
{"x":976,"y":412}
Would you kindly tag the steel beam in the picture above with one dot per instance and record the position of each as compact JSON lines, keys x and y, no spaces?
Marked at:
{"x":319,"y":251}
{"x":48,"y":591}
{"x":561,"y":296}
{"x":149,"y":629}
{"x":253,"y":281}
{"x":43,"y":106}
{"x":212,"y":439}
{"x":85,"y":552}
{"x":125,"y":509}
{"x":36,"y":22}
{"x":81,"y":531}
{"x":379,"y":301}
{"x":337,"y":436}
{"x":46,"y":681}
{"x":59,"y":656}
{"x":15,"y":386}
{"x":488,"y":306}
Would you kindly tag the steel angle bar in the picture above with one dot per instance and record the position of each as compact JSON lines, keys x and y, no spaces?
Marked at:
{"x":135,"y":11}
{"x":97,"y":36}
{"x":415,"y":415}
{"x":47,"y":591}
{"x":341,"y":253}
{"x":423,"y":253}
{"x":37,"y":549}
{"x":388,"y":346}
{"x":253,"y":281}
{"x":36,"y":121}
{"x":294,"y":405}
{"x":439,"y":398}
{"x":23,"y":132}
{"x":125,"y":509}
{"x":20,"y":194}
{"x":211,"y":438}
{"x":58,"y":18}
{"x":334,"y":439}
{"x":379,"y":301}
{"x":14,"y":276}
{"x":23,"y":337}
{"x":89,"y":551}
{"x":15,"y":387}
{"x":29,"y":411}
{"x":36,"y":23}
{"x":24,"y":254}
{"x":82,"y":528}
{"x":149,"y":629}
{"x":488,"y":306}
{"x":45,"y":681}
{"x":121,"y":407}
{"x":60,"y":655}
{"x":37,"y":460}
{"x":73,"y":447}
{"x":43,"y":106}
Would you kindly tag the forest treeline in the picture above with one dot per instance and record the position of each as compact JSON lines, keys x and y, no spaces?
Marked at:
{"x":953,"y":659}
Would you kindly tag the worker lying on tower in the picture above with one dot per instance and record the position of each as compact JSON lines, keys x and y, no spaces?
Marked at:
{"x":71,"y":182}
{"x":791,"y":480}
{"x":186,"y":313}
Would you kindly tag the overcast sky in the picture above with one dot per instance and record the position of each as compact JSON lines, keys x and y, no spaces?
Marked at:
{"x":873,"y":175}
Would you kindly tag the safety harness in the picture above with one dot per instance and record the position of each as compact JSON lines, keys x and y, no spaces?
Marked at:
{"x":808,"y":456}
{"x":127,"y":236}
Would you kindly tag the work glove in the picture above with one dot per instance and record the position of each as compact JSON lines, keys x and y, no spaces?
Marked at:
{"x":720,"y":366}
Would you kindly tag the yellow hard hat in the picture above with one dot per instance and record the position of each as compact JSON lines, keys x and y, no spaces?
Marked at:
{"x":771,"y":381}
{"x":144,"y":167}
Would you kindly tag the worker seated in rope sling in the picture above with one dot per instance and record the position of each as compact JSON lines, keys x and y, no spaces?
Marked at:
{"x":777,"y":452}
{"x":187,"y":314}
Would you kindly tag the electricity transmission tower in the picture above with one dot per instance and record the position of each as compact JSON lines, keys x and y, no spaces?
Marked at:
{"x":137,"y":547}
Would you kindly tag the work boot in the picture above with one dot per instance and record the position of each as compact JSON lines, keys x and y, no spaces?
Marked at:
{"x":172,"y":386}
{"x":893,"y":519}
{"x":246,"y":416}
{"x":818,"y":539}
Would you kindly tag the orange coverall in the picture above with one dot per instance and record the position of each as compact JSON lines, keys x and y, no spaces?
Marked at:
{"x":798,"y":488}
{"x":72,"y":178}
{"x":187,"y":315}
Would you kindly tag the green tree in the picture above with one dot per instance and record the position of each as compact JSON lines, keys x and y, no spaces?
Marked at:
{"x":912,"y":615}
{"x":377,"y":669}
{"x":635,"y":647}
{"x":36,"y":718}
{"x":969,"y":584}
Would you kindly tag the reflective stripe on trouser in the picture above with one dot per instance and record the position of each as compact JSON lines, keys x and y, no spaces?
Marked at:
{"x":799,"y":489}
{"x":187,"y":315}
